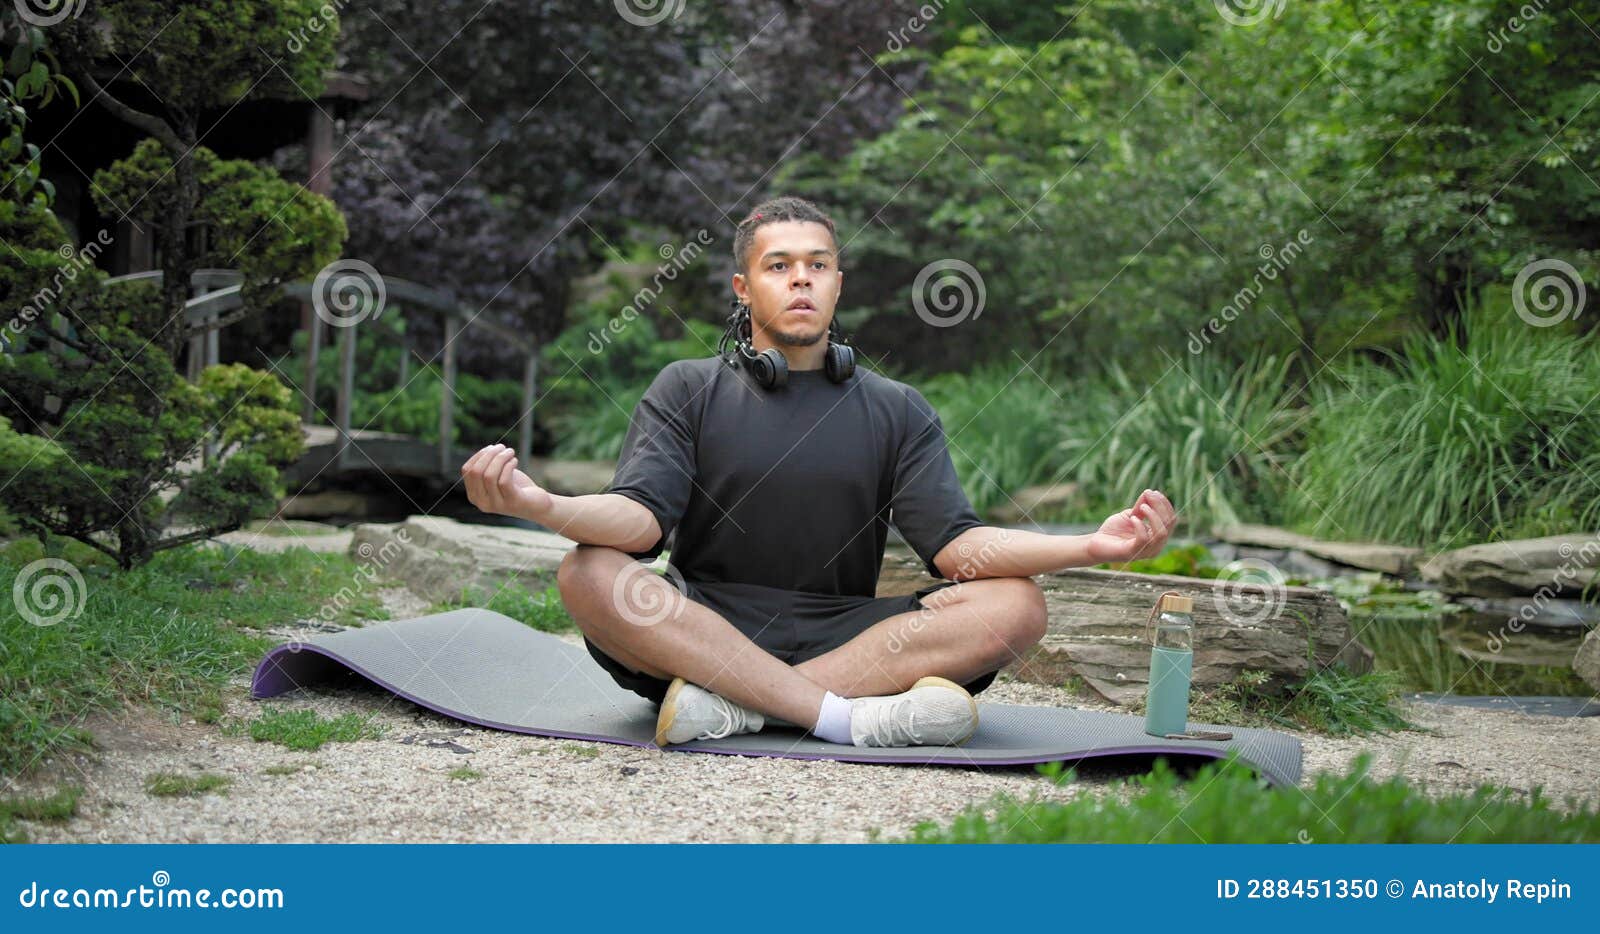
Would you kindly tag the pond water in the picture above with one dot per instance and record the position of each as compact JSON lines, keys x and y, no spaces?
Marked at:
{"x":1440,"y":646}
{"x":1473,"y":653}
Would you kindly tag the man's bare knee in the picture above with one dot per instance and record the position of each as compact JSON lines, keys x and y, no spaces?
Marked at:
{"x":1014,"y":613}
{"x":587,"y":580}
{"x":1029,"y":617}
{"x":576,"y":573}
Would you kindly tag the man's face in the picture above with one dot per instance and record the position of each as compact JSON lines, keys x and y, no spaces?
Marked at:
{"x":791,"y":282}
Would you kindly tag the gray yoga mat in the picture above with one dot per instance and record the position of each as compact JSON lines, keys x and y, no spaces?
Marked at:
{"x":485,"y":668}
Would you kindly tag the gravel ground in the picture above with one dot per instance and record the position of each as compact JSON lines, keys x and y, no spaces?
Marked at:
{"x":532,"y":789}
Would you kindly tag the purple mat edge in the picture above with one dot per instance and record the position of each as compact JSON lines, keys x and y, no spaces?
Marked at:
{"x":262,"y":677}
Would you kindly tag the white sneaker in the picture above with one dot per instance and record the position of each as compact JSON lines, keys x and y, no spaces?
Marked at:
{"x":690,"y":712}
{"x":935,"y":712}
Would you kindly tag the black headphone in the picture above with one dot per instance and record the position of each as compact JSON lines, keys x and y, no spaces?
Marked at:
{"x":769,"y":367}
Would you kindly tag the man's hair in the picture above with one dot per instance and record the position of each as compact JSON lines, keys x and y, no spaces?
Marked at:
{"x":787,"y":208}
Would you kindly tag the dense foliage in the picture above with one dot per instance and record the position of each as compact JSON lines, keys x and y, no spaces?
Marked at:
{"x":100,"y":438}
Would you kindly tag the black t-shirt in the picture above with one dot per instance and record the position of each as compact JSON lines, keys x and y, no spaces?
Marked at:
{"x":790,"y":488}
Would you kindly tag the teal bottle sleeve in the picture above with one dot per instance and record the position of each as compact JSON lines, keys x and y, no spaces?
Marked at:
{"x":1171,"y":665}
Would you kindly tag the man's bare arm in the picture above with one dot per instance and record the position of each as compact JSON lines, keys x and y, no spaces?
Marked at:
{"x":1139,"y":531}
{"x":494,"y":484}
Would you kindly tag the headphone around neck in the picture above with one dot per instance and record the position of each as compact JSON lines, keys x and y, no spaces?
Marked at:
{"x":769,"y":367}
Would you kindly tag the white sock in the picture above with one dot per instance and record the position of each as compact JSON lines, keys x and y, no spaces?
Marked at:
{"x":833,"y":721}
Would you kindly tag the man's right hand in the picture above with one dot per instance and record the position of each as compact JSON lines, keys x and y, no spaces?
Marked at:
{"x":495,"y":485}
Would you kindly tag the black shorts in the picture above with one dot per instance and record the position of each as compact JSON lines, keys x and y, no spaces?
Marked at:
{"x":792,"y":626}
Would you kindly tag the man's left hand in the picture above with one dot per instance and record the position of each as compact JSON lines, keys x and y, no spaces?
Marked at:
{"x":1140,"y":531}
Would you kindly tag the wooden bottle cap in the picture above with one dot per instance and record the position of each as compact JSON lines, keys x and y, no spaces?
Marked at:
{"x":1175,"y":603}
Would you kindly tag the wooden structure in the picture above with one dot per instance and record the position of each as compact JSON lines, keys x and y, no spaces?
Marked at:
{"x":216,"y":303}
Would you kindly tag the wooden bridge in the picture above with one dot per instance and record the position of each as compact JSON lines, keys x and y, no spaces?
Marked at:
{"x":340,"y":448}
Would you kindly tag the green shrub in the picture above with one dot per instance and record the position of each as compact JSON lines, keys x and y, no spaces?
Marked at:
{"x":1448,"y":445}
{"x":600,"y":365}
{"x":486,"y":410}
{"x":1213,"y":436}
{"x":1002,"y":426}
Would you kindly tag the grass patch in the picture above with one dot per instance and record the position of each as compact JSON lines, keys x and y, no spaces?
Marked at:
{"x":588,"y":752}
{"x":1225,"y":803}
{"x":169,"y":633}
{"x":1338,"y":703}
{"x":175,"y":785}
{"x":1333,"y":701}
{"x":57,"y":807}
{"x":541,"y":610}
{"x":307,"y":730}
{"x":464,"y":774}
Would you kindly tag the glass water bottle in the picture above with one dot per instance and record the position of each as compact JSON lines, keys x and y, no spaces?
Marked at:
{"x":1171,"y":664}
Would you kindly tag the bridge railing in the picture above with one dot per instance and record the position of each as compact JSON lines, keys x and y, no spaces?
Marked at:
{"x":217,"y":303}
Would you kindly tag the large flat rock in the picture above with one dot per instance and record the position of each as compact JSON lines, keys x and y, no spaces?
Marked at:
{"x":437,"y":558}
{"x":1097,"y":629}
{"x":1397,"y":560}
{"x":1555,"y":564}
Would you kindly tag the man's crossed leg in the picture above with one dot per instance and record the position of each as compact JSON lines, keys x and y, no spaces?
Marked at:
{"x":896,"y":683}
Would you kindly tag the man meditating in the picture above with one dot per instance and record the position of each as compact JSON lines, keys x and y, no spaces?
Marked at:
{"x":780,"y":466}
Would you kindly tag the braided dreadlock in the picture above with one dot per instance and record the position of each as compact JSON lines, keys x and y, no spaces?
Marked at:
{"x":787,"y":208}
